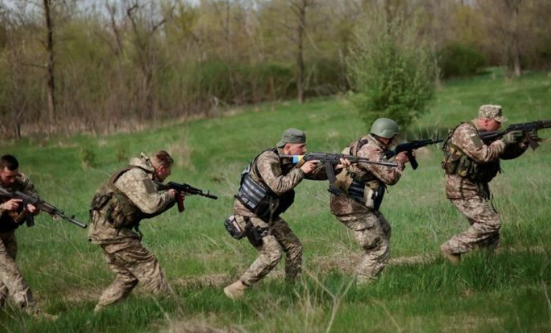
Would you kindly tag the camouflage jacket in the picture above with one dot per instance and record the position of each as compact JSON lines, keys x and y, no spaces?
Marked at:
{"x":138,"y":185}
{"x":373,"y":149}
{"x":10,"y":221}
{"x":466,"y":138}
{"x":280,"y":175}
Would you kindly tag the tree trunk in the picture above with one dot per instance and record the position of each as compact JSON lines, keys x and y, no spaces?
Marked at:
{"x":50,"y":78}
{"x":300,"y":53}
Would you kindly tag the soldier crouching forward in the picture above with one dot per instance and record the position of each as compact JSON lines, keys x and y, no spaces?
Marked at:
{"x":363,"y":187}
{"x":131,"y":195}
{"x":266,"y":192}
{"x":470,"y":164}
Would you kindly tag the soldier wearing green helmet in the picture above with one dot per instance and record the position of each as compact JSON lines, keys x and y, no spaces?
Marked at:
{"x":363,"y":186}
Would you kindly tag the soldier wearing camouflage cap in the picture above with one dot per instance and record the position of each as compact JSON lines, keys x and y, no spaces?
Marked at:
{"x":13,"y":213}
{"x":363,"y":186}
{"x":470,"y":165}
{"x":130,"y":195}
{"x":266,"y":191}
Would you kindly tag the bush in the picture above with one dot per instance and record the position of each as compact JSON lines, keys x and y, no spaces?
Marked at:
{"x":392,"y":70}
{"x":460,"y":60}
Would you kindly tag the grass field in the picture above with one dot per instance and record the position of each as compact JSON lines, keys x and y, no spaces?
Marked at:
{"x":418,"y":292}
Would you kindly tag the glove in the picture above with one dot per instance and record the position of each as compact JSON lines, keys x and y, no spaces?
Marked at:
{"x":533,"y":134}
{"x":513,"y":137}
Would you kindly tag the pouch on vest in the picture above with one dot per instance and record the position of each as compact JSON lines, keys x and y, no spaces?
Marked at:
{"x":251,"y":194}
{"x":236,"y":226}
{"x":369,"y":194}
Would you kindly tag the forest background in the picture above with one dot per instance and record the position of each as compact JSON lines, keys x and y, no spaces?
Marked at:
{"x":106,"y":66}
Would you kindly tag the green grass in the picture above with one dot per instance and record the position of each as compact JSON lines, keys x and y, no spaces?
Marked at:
{"x":506,"y":292}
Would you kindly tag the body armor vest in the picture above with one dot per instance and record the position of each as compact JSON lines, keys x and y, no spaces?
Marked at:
{"x":119,"y":210}
{"x":368,"y":191}
{"x":259,"y":198}
{"x":456,"y":162}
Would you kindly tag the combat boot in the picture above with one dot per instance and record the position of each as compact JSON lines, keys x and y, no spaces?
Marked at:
{"x":454,"y":258}
{"x":235,"y":290}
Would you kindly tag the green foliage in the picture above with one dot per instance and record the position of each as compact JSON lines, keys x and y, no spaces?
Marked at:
{"x":460,"y":60}
{"x":392,"y":70}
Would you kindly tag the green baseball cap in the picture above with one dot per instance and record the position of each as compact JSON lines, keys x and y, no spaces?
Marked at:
{"x":292,"y":135}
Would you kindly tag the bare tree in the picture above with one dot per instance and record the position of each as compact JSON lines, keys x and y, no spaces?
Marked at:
{"x":504,"y":25}
{"x":50,"y":74}
{"x":145,"y":26}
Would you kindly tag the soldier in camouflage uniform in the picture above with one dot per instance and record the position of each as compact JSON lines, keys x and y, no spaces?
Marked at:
{"x":267,"y":191}
{"x":12,"y":214}
{"x":130,"y":195}
{"x":363,"y":186}
{"x":470,"y":165}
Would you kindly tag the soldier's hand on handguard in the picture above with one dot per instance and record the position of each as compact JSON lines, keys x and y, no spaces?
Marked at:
{"x":402,"y":157}
{"x":513,"y":137}
{"x":309,"y":166}
{"x":11,"y":204}
{"x":343,"y":165}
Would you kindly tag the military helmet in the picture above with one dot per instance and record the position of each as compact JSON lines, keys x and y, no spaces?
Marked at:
{"x":384,"y":128}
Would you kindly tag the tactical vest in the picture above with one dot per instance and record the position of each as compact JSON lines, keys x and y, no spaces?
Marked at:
{"x":369,"y":191}
{"x":259,"y":198}
{"x":118,"y":209}
{"x":456,"y":162}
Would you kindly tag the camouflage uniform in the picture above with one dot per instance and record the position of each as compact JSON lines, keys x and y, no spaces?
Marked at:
{"x":122,"y":248}
{"x":11,"y":280}
{"x":281,"y":176}
{"x":470,"y":165}
{"x":371,"y":230}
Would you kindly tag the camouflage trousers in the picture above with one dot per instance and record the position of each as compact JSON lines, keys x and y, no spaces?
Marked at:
{"x":278,"y":239}
{"x":11,"y":280}
{"x":372,"y":232}
{"x":484,"y":229}
{"x":132,"y":263}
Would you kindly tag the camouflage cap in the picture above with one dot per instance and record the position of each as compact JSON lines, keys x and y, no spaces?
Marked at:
{"x":292,"y":135}
{"x":492,"y":112}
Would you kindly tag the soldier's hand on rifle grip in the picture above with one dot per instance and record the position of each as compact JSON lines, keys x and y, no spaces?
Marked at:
{"x":11,"y":204}
{"x":309,"y":166}
{"x":402,"y":157}
{"x":172,"y":193}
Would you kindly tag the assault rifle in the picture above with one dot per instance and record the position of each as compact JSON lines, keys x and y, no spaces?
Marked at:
{"x":188,"y":189}
{"x":329,"y":160}
{"x":409,"y":147}
{"x":40,"y":204}
{"x":526,"y":128}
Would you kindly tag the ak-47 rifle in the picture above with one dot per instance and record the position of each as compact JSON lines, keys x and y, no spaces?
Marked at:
{"x":188,"y":189}
{"x":329,"y":160}
{"x":526,"y":128}
{"x":409,"y":147}
{"x":41,"y":205}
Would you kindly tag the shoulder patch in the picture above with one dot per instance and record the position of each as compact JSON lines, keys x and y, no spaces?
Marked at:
{"x":476,"y":140}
